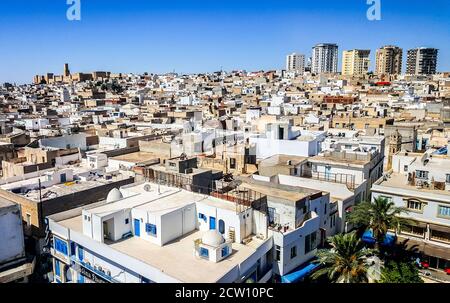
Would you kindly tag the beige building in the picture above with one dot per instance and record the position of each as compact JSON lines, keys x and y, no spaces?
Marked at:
{"x":389,"y":60}
{"x":355,"y":62}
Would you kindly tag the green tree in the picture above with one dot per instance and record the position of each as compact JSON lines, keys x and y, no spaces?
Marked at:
{"x":400,"y":272}
{"x":379,"y":216}
{"x":345,"y":262}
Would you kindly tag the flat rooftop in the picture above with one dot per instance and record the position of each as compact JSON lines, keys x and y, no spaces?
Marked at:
{"x":285,"y":192}
{"x":136,"y":157}
{"x":338,"y":161}
{"x":337,"y":191}
{"x":176,"y":258}
{"x":60,"y":189}
{"x":399,"y":181}
{"x":195,"y":171}
{"x":282,"y":160}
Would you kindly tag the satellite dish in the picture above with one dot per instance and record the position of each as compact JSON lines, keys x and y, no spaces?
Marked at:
{"x":147,"y":187}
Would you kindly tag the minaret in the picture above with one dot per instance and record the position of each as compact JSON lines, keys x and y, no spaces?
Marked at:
{"x":395,"y":145}
{"x":66,"y":70}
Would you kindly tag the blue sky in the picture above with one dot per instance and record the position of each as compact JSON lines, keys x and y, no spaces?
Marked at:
{"x":201,"y":36}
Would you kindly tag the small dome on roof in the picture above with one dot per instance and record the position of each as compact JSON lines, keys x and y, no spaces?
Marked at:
{"x":213,"y":238}
{"x":114,"y":195}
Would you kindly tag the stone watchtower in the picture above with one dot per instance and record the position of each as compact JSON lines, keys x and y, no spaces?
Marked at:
{"x":395,"y":145}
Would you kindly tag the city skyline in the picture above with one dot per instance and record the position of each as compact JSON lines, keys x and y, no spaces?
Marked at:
{"x":186,"y":37}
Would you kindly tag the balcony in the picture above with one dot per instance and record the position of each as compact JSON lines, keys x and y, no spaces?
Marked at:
{"x":348,"y":180}
{"x":310,"y":221}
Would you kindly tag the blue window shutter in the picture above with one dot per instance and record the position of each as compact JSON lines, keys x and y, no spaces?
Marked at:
{"x":150,"y":228}
{"x":225,"y":251}
{"x":204,"y":252}
{"x":61,"y":246}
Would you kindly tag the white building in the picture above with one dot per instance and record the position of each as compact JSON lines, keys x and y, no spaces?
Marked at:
{"x":36,"y":124}
{"x":13,"y":263}
{"x":295,"y":62}
{"x":280,"y":138}
{"x":150,"y":233}
{"x":325,"y":58}
{"x":421,"y":184}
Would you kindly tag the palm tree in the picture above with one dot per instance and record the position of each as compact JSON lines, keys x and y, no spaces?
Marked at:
{"x":379,"y":216}
{"x":346,"y":262}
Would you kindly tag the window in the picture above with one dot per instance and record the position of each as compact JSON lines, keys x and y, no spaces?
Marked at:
{"x":232,"y":163}
{"x":127,"y":221}
{"x":221,"y":226}
{"x":72,"y":248}
{"x":204,"y":253}
{"x":414,"y":205}
{"x":405,"y":168}
{"x":202,"y":217}
{"x":447,"y":178}
{"x":225,"y":251}
{"x":271,"y":212}
{"x":414,"y":230}
{"x":325,"y":210}
{"x":440,"y":235}
{"x":28,"y":220}
{"x":60,"y":246}
{"x":444,"y":211}
{"x":421,"y":174}
{"x":151,"y":229}
{"x":310,"y":242}
{"x":277,"y":253}
{"x":293,"y":252}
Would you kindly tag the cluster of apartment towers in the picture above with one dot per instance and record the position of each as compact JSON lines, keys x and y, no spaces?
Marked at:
{"x":389,"y":61}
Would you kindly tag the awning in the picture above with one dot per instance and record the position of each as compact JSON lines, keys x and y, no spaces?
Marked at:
{"x":417,"y":224}
{"x":299,"y":274}
{"x":440,"y":228}
{"x":368,"y":238}
{"x":427,"y":248}
{"x":436,"y":251}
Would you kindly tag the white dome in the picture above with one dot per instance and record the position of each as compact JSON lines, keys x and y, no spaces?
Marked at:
{"x":213,"y":238}
{"x":114,"y":195}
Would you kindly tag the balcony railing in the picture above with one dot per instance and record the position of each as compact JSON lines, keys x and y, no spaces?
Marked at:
{"x":348,"y":180}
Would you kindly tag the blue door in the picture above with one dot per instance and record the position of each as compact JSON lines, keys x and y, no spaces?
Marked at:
{"x":212,"y":223}
{"x":137,"y":228}
{"x":63,"y":178}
